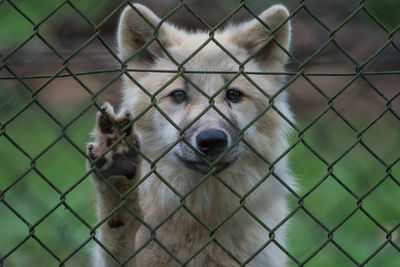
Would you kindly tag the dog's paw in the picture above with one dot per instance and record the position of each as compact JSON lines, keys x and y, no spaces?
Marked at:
{"x":120,"y":163}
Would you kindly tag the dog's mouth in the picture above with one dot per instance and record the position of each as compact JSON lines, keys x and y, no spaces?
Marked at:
{"x":203,"y":167}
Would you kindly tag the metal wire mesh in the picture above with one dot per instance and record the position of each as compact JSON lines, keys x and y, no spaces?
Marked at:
{"x":328,"y":231}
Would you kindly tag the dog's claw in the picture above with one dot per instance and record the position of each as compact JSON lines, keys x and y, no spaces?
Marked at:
{"x":121,"y":160}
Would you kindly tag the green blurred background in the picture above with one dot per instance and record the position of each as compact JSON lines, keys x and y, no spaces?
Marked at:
{"x":45,"y":124}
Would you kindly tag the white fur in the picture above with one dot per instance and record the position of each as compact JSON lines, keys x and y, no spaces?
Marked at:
{"x":212,"y":202}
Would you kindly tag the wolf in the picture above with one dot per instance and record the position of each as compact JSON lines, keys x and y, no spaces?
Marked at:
{"x":192,"y":170}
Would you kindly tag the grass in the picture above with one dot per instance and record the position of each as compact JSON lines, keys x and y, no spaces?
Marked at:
{"x":32,"y":197}
{"x":331,"y":199}
{"x":356,"y":202}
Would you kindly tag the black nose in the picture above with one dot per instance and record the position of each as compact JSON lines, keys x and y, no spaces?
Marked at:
{"x":212,"y":142}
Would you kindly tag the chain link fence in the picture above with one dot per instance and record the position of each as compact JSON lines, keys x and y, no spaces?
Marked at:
{"x":343,"y":82}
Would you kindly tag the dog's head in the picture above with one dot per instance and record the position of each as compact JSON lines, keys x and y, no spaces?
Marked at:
{"x":195,"y":106}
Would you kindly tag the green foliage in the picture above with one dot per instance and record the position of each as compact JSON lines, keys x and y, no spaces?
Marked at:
{"x":386,"y":11}
{"x":29,"y":181}
{"x":14,"y":27}
{"x":334,"y":202}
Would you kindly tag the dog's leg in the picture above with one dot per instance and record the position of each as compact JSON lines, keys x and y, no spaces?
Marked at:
{"x":114,"y":173}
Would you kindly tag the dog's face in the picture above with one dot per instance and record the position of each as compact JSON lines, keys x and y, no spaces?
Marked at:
{"x":202,"y":117}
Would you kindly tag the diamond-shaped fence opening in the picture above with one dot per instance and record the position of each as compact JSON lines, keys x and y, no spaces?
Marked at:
{"x":59,"y":63}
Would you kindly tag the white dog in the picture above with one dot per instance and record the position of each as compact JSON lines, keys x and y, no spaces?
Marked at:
{"x":210,"y":176}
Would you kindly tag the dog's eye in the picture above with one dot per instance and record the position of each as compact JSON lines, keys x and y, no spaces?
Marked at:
{"x":234,"y":95}
{"x":178,"y":96}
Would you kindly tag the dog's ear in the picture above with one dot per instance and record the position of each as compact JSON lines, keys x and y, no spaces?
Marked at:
{"x":253,"y":36}
{"x":137,"y":30}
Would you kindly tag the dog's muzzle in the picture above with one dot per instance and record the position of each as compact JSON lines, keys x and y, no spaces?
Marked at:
{"x":210,"y":144}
